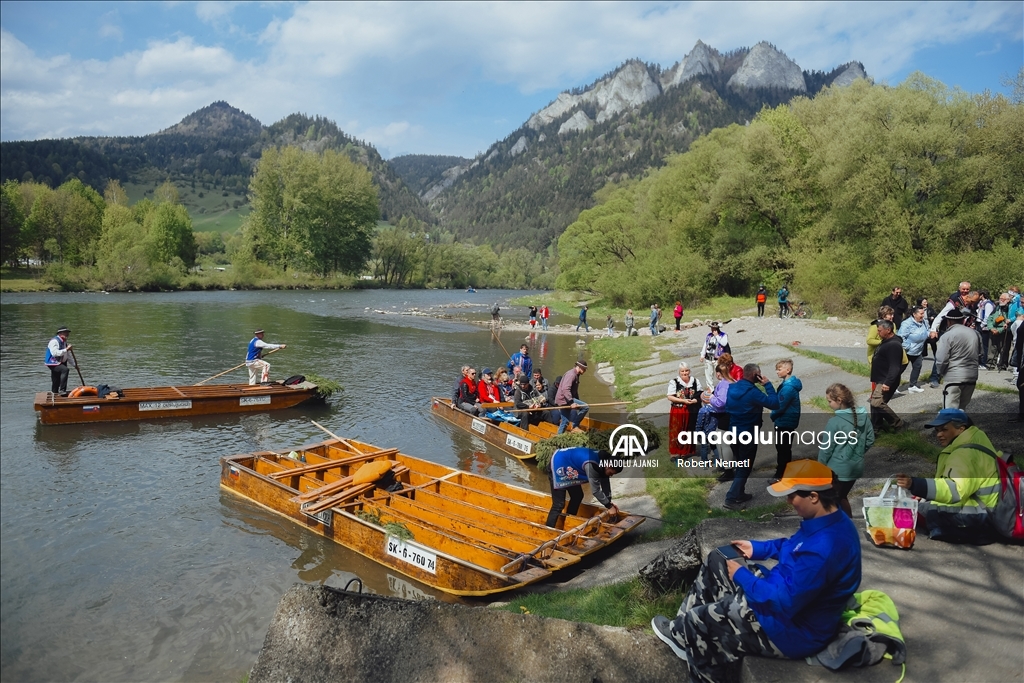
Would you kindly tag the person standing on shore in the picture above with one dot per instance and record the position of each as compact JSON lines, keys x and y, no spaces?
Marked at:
{"x":846,"y":459}
{"x":898,"y":304}
{"x":629,"y":323}
{"x":783,"y":299}
{"x":914,"y":333}
{"x":886,"y":368}
{"x":56,"y":359}
{"x":677,"y":313}
{"x":654,"y":320}
{"x":760,"y":298}
{"x":254,"y":358}
{"x":611,"y":325}
{"x":683,"y":396}
{"x":545,"y":312}
{"x":533,"y":317}
{"x":956,"y":359}
{"x":787,"y":417}
{"x":745,"y":404}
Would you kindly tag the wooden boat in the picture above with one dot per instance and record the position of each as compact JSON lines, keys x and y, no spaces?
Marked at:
{"x":470,"y":535}
{"x":516,"y":441}
{"x":158,"y":402}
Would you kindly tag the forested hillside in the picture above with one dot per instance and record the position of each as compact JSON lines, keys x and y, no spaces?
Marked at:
{"x":843,"y":196}
{"x":421,"y":171}
{"x":212,"y":149}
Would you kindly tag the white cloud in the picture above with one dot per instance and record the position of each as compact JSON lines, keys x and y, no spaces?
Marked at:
{"x":412,"y":63}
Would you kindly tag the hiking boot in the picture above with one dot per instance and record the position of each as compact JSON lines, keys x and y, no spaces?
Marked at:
{"x":738,"y":504}
{"x":728,"y":475}
{"x":663,"y":629}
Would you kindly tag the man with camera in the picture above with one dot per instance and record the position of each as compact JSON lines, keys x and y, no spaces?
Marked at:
{"x":745,"y":404}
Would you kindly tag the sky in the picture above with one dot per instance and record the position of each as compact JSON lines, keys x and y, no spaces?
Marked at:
{"x":437,"y":78}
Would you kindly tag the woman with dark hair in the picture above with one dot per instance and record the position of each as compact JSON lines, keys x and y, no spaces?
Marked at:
{"x":677,"y":313}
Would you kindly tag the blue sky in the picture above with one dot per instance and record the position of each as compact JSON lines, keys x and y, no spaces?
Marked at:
{"x":436,"y":78}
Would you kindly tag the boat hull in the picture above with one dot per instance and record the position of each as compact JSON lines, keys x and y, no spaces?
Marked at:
{"x":471,"y":535}
{"x":162,"y":402}
{"x":517,"y":442}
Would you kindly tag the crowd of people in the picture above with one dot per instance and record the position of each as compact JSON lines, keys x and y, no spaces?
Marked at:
{"x":523,"y":388}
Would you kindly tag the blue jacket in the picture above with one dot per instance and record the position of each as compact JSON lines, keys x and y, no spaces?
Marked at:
{"x":800,"y":601}
{"x":745,"y":404}
{"x":525,"y":362}
{"x":914,"y":335}
{"x":788,"y":414}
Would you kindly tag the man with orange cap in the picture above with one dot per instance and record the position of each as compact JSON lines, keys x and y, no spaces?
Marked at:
{"x":792,"y":610}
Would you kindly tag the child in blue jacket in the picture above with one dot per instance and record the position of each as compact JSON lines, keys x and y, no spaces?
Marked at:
{"x":787,"y":417}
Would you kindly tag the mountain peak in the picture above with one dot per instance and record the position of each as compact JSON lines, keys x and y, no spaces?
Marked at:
{"x":216,"y":120}
{"x":765,"y":66}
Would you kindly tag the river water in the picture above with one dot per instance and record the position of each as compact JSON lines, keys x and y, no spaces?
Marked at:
{"x":122,"y":559}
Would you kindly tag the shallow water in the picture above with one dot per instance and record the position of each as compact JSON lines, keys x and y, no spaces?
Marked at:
{"x":122,"y":559}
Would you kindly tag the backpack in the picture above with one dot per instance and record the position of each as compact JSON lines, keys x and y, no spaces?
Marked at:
{"x":293,"y":380}
{"x":1008,"y":514}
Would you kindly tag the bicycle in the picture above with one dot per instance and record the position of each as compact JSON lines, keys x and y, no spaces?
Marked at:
{"x":801,"y":311}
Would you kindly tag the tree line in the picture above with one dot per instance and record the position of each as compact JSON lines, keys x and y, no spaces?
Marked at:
{"x":842,"y":196}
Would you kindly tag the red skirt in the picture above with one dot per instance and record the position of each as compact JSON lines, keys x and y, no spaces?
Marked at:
{"x":681,"y":419}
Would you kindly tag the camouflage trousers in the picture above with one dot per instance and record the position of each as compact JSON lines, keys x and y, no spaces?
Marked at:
{"x":717,"y":624}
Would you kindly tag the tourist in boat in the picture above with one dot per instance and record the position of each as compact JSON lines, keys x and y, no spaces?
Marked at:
{"x":57,"y":353}
{"x":465,"y":397}
{"x":568,"y":398}
{"x":487,"y":390}
{"x":527,"y":397}
{"x":570,"y":469}
{"x":504,"y":381}
{"x":683,"y":397}
{"x":539,"y":383}
{"x":254,"y":358}
{"x":520,"y":363}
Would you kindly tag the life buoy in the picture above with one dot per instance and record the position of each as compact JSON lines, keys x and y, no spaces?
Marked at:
{"x":83,"y":391}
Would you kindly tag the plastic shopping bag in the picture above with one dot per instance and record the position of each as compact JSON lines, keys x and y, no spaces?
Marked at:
{"x":891,"y":517}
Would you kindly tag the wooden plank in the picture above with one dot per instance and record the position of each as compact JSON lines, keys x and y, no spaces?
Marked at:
{"x":330,"y":464}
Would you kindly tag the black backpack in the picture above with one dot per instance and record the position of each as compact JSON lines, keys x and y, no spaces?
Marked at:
{"x":293,"y":380}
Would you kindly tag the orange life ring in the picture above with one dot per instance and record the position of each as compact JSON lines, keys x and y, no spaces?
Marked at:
{"x":83,"y":391}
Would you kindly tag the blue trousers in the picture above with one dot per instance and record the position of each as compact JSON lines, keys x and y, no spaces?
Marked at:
{"x":572,"y":414}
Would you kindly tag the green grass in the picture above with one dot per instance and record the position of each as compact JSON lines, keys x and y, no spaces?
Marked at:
{"x":24,"y":280}
{"x":820,"y":402}
{"x":683,"y":499}
{"x":624,"y":353}
{"x":854,"y":367}
{"x":213,"y":212}
{"x":909,"y":442}
{"x":626,"y":604}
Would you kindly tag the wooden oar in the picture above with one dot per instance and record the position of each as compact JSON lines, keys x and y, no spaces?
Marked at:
{"x":591,"y":405}
{"x":515,"y":564}
{"x":503,"y":404}
{"x":78,"y":369}
{"x":226,"y":371}
{"x":498,"y":339}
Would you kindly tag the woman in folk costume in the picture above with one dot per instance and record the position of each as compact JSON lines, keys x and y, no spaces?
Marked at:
{"x":684,"y":398}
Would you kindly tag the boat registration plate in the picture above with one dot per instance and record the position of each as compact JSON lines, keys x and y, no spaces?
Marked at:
{"x":413,"y":554}
{"x":518,"y":444}
{"x":479,"y":426}
{"x":254,"y":401}
{"x":165,"y":405}
{"x":324,"y":516}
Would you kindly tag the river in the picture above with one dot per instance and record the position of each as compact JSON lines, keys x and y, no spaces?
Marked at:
{"x":122,"y":559}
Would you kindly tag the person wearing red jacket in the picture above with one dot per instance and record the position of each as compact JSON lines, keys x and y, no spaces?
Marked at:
{"x":487,"y":390}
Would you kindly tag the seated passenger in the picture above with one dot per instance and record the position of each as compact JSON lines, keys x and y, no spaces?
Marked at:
{"x":570,"y":468}
{"x":966,"y":482}
{"x":527,"y":397}
{"x":538,"y":377}
{"x":465,"y":397}
{"x":792,"y":610}
{"x":504,"y":382}
{"x":487,"y":389}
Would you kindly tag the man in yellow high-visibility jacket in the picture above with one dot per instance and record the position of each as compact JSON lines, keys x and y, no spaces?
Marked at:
{"x":966,"y":483}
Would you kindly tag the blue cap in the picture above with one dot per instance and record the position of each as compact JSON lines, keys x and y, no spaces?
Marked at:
{"x":487,"y":371}
{"x":947,"y":415}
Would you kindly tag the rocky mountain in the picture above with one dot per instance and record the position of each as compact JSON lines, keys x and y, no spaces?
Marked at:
{"x":215,"y":147}
{"x":524,"y":190}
